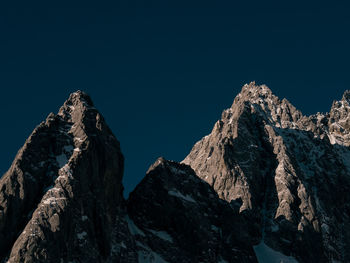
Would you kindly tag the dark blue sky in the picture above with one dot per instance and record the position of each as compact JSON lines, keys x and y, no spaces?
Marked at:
{"x":161,"y":73}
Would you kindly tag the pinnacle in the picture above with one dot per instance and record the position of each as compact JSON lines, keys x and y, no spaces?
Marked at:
{"x":77,"y":100}
{"x":254,"y":93}
{"x":161,"y":160}
{"x":78,"y":97}
{"x":346,"y":96}
{"x":254,"y":89}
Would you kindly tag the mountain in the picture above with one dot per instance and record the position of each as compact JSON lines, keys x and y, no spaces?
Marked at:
{"x":61,"y":201}
{"x":267,"y":185}
{"x":290,"y":172}
{"x":181,"y":218}
{"x":60,"y":197}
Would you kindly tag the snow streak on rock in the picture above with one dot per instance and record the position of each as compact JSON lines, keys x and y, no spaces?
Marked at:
{"x":285,"y":171}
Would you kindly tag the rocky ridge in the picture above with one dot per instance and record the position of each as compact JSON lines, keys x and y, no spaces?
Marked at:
{"x":262,"y":186}
{"x":61,"y":201}
{"x":180,"y":218}
{"x":50,"y":207}
{"x":287,"y":169}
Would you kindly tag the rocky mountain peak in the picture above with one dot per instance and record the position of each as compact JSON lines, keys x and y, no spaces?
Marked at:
{"x":79,"y":97}
{"x":339,"y":121}
{"x":159,"y":162}
{"x":254,"y":90}
{"x":253,"y":93}
{"x":271,"y":160}
{"x":173,"y":209}
{"x":61,"y":195}
{"x":266,"y":183}
{"x":75,"y":106}
{"x":346,"y":96}
{"x":260,"y":100}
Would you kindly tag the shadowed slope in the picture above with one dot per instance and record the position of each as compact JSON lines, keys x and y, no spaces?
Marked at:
{"x":288,"y":170}
{"x":60,"y":197}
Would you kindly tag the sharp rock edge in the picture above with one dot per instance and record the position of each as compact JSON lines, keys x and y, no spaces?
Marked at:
{"x":262,"y":188}
{"x":290,"y":173}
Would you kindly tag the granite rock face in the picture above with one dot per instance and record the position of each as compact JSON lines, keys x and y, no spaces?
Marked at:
{"x":268,"y":183}
{"x":180,"y":218}
{"x":59,"y":200}
{"x":62,"y":201}
{"x":290,"y":172}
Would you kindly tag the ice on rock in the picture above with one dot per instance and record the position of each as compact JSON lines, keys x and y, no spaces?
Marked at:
{"x":61,"y":160}
{"x":265,"y":254}
{"x":134,"y":230}
{"x":150,"y":257}
{"x":162,"y":234}
{"x":68,"y":149}
{"x":81,"y":235}
{"x":181,"y":196}
{"x":53,"y":200}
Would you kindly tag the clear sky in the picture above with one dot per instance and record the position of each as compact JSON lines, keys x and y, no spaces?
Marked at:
{"x":162,"y":72}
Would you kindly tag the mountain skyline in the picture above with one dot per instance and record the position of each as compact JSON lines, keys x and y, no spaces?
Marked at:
{"x":133,"y":175}
{"x":163,"y":72}
{"x":261,"y":187}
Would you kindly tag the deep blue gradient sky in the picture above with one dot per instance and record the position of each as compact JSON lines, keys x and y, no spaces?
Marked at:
{"x":162,"y":73}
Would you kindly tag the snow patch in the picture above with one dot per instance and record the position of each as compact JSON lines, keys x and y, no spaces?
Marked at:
{"x":325,"y":227}
{"x":214,"y":228}
{"x":53,"y":200}
{"x":68,"y":148}
{"x":61,"y":160}
{"x":81,"y":235}
{"x":162,"y":234}
{"x":28,"y":175}
{"x":176,"y":171}
{"x":265,"y":254}
{"x":183,"y":197}
{"x":274,"y":228}
{"x":134,"y":230}
{"x":149,"y":257}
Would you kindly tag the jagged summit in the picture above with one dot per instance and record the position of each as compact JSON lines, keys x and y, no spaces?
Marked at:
{"x":181,"y":219}
{"x":346,"y":96}
{"x":254,"y":93}
{"x":79,"y":96}
{"x":283,"y":167}
{"x":61,"y":201}
{"x":162,"y":162}
{"x":267,"y":182}
{"x":260,"y":100}
{"x":77,"y":103}
{"x":254,"y":90}
{"x":61,"y":194}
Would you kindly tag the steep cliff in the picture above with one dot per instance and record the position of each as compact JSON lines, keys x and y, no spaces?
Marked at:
{"x":290,"y":172}
{"x":267,"y":185}
{"x":60,"y":198}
